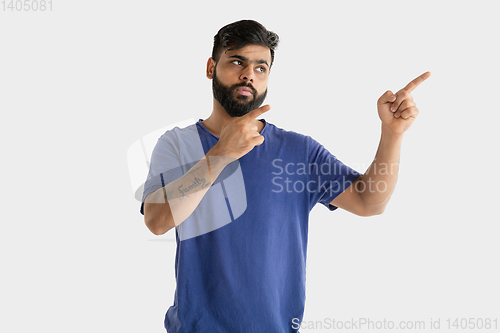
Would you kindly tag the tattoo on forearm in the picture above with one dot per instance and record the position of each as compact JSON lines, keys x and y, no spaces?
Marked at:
{"x":197,"y":182}
{"x":168,"y":192}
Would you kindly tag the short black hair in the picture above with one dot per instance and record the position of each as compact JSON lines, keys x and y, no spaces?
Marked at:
{"x":239,"y":34}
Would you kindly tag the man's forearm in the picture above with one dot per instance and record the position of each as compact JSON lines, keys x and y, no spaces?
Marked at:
{"x":170,"y":205}
{"x":378,"y":182}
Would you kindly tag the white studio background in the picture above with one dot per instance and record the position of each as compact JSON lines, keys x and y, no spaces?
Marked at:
{"x":80,"y":83}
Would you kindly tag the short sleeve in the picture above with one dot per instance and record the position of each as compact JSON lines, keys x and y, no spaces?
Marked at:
{"x":328,"y":174}
{"x":165,"y":167}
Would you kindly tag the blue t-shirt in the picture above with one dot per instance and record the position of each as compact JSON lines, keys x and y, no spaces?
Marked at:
{"x":240,"y":262}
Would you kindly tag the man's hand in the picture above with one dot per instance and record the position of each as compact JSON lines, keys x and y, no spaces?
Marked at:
{"x":398,"y":111}
{"x":240,"y":136}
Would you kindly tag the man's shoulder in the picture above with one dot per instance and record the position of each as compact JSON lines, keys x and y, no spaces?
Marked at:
{"x":178,"y":130}
{"x":288,"y":135}
{"x":182,"y":136}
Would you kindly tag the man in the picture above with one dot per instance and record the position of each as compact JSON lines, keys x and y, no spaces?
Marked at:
{"x":239,"y":191}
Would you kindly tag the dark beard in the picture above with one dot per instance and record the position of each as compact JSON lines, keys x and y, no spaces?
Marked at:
{"x":236,"y":106}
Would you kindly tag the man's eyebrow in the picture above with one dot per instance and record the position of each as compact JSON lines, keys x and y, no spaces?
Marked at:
{"x":242,"y":58}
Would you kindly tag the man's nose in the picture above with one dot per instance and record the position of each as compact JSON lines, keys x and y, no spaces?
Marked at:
{"x":247,"y":74}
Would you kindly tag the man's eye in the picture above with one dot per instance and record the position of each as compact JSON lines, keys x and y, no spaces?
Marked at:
{"x":261,"y":69}
{"x":236,"y":62}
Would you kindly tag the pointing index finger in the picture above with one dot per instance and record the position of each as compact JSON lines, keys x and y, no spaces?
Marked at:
{"x":255,"y":113}
{"x":413,"y":84}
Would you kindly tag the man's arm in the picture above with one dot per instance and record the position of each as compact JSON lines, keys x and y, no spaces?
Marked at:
{"x":370,"y":193}
{"x":171,"y":204}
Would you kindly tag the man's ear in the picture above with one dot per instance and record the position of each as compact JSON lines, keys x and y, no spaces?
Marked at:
{"x":210,"y":68}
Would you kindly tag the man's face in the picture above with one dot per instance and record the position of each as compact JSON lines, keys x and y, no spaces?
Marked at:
{"x":240,"y":77}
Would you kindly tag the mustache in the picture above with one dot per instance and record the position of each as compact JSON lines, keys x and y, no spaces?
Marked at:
{"x":243,"y":84}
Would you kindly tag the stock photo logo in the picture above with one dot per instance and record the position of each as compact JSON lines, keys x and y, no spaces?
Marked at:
{"x":26,"y":5}
{"x":168,"y":153}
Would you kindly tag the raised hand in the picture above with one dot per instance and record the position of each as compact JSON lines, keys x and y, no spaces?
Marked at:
{"x":398,"y":111}
{"x":240,"y":136}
